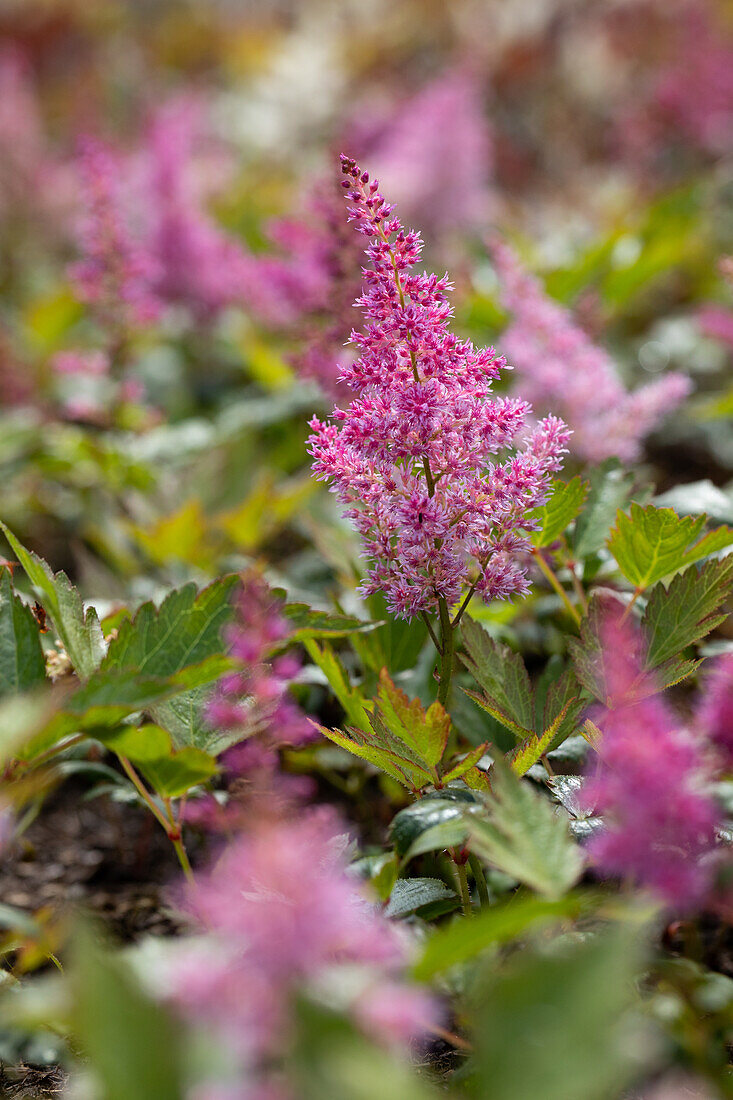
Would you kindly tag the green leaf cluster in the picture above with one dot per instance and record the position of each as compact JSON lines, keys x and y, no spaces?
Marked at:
{"x":508,"y":696}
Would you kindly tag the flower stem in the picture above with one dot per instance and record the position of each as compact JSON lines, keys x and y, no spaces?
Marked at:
{"x":171,"y":829}
{"x":463,"y":888}
{"x":579,"y":590}
{"x":480,"y":879}
{"x":464,"y":605}
{"x":431,"y":632}
{"x":630,"y":604}
{"x":447,"y":649}
{"x":554,"y":582}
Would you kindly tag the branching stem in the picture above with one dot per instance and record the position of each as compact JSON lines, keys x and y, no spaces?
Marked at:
{"x":555,"y":584}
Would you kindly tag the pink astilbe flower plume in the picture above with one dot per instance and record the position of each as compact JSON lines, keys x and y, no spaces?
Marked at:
{"x":434,"y":154}
{"x":280,"y":913}
{"x":559,"y":367}
{"x":256,"y":715}
{"x":306,"y":290}
{"x":415,"y":457}
{"x":198,"y":265}
{"x":649,"y":783}
{"x":714,"y":715}
{"x":116,"y":273}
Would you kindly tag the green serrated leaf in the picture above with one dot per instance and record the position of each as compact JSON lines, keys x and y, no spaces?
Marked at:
{"x":531,"y":750}
{"x":412,"y":894}
{"x":425,"y":731}
{"x":169,"y":772}
{"x":22,"y":665}
{"x":561,"y":509}
{"x":687,"y":610}
{"x":524,"y":837}
{"x":371,"y":746}
{"x":307,"y":623}
{"x":79,"y":630}
{"x":356,"y":707}
{"x":652,"y":543}
{"x":437,"y":809}
{"x":610,"y":486}
{"x":185,"y":630}
{"x":466,"y":764}
{"x":492,"y":708}
{"x":561,"y":692}
{"x":503,"y":677}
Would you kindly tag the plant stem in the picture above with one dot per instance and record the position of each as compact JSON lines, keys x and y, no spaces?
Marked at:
{"x":176,"y":839}
{"x":447,"y":650}
{"x":480,"y":879}
{"x":630,"y":604}
{"x":463,"y":888}
{"x":464,"y":605}
{"x":450,"y":1037}
{"x":431,"y":632}
{"x":171,"y":829}
{"x":54,"y":751}
{"x":554,"y":582}
{"x":579,"y":590}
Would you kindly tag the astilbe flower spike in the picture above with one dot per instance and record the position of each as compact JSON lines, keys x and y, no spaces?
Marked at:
{"x":280,"y":914}
{"x":198,"y":265}
{"x":714,"y":715}
{"x":306,"y":290}
{"x":252,"y":708}
{"x":649,"y":784}
{"x":434,"y":153}
{"x":415,"y":457}
{"x":116,"y":273}
{"x":559,"y":367}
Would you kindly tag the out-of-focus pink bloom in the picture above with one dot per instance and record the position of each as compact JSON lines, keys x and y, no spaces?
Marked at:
{"x":254,"y":705}
{"x":93,"y":364}
{"x":659,"y":823}
{"x":308,"y":288}
{"x":683,"y":96}
{"x":694,"y":93}
{"x":714,"y":715}
{"x":198,"y":265}
{"x":84,"y":408}
{"x":116,"y":273}
{"x":716,"y":322}
{"x":394,"y":1014}
{"x":433,"y":155}
{"x":413,"y":456}
{"x":560,"y":368}
{"x":281,"y":913}
{"x":33,"y":181}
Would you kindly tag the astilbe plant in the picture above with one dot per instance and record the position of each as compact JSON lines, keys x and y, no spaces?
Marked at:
{"x":254,"y":711}
{"x":714,"y":715}
{"x":115,"y":273}
{"x":434,"y":153}
{"x":198,"y":265}
{"x":559,"y":367}
{"x":415,"y":456}
{"x":280,"y":914}
{"x":649,"y":784}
